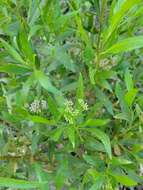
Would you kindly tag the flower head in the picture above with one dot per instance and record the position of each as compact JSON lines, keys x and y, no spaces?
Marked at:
{"x":35,"y":106}
{"x":83,"y":104}
{"x":70,"y":113}
{"x":43,"y":104}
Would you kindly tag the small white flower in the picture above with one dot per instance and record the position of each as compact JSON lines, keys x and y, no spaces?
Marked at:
{"x":35,"y":106}
{"x":80,"y":101}
{"x":69,"y":103}
{"x":43,"y":104}
{"x":68,"y":119}
{"x":71,"y":113}
{"x":75,"y":113}
{"x":83,"y":104}
{"x":69,"y":108}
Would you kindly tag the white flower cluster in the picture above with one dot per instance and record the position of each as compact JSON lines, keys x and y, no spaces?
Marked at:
{"x":141,"y":169}
{"x":83,"y":104}
{"x":107,"y":64}
{"x":37,"y":106}
{"x":70,"y":113}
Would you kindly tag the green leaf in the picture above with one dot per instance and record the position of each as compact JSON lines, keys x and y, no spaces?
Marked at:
{"x":135,"y":176}
{"x":62,"y":172}
{"x":14,"y":69}
{"x":12,"y":51}
{"x":61,"y":57}
{"x":103,"y":138}
{"x":120,"y":161}
{"x":96,"y":122}
{"x":38,"y":119}
{"x":120,"y":95}
{"x":80,"y":88}
{"x":56,"y":133}
{"x":83,"y":35}
{"x":33,"y":31}
{"x":125,"y":180}
{"x":71,"y":135}
{"x":69,"y":87}
{"x":53,"y":107}
{"x":26,"y":87}
{"x":122,"y":116}
{"x":93,"y":144}
{"x":34,"y":142}
{"x":98,"y":183}
{"x":34,"y":11}
{"x":25,"y":45}
{"x":130,"y":96}
{"x":129,"y":80}
{"x":104,"y":100}
{"x":118,"y":15}
{"x":89,"y":159}
{"x":88,"y":54}
{"x":45,"y":82}
{"x":92,"y":75}
{"x":125,"y":45}
{"x":105,"y":84}
{"x":42,"y":178}
{"x":20,"y":184}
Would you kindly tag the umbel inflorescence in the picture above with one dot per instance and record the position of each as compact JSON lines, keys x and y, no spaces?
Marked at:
{"x":72,"y":112}
{"x":37,"y":106}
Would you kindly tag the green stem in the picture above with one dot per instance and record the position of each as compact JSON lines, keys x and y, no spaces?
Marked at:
{"x":101,"y":19}
{"x":78,"y":132}
{"x":43,"y":20}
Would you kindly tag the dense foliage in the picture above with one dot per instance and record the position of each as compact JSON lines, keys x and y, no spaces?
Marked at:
{"x":71,"y":95}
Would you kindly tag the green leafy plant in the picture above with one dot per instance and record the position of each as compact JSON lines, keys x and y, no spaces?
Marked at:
{"x":71,"y":102}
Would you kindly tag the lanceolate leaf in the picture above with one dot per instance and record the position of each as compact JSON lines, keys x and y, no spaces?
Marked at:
{"x":120,"y":95}
{"x":45,"y":82}
{"x":120,"y":161}
{"x":41,"y":177}
{"x":18,"y":184}
{"x":103,"y":138}
{"x":12,"y":51}
{"x":125,"y":45}
{"x":130,"y":96}
{"x":71,"y":135}
{"x":105,"y":100}
{"x":80,"y":88}
{"x":122,"y":116}
{"x":125,"y":180}
{"x":53,"y":107}
{"x":92,"y":75}
{"x":98,"y":183}
{"x":96,"y":122}
{"x":38,"y":119}
{"x":25,"y":45}
{"x":56,"y":134}
{"x":61,"y":57}
{"x":14,"y":69}
{"x":129,"y":80}
{"x":118,"y":15}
